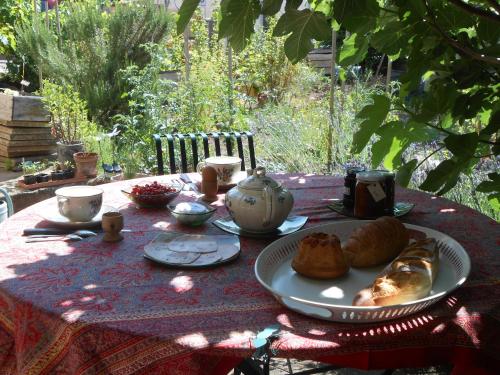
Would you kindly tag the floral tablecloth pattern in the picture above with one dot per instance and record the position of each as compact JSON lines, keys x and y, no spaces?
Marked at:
{"x":95,"y":307}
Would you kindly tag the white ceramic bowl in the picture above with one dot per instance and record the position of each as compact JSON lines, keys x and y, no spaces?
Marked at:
{"x":79,"y":203}
{"x":191,"y":213}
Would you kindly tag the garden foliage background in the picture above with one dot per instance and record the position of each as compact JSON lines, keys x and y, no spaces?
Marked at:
{"x":436,"y":127}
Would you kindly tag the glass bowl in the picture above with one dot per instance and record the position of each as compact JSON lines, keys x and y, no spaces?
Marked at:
{"x":191,"y":213}
{"x":152,"y":200}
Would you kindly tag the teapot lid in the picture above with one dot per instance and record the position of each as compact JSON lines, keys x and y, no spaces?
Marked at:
{"x":257,"y":180}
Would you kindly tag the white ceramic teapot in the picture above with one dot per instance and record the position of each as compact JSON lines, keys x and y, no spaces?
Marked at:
{"x":259,"y":203}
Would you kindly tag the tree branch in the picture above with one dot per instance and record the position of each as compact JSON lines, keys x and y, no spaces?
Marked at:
{"x":463,"y":50}
{"x":389,"y":10}
{"x":475,"y":10}
{"x":428,"y":156}
{"x":494,"y":4}
{"x":411,"y":113}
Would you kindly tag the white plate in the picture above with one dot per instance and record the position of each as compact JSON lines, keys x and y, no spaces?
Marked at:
{"x":228,"y":250}
{"x":52,"y":214}
{"x":332,"y":299}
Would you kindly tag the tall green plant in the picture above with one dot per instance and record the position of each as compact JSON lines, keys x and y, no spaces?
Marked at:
{"x":452,"y":45}
{"x":68,"y":113}
{"x":94,"y":46}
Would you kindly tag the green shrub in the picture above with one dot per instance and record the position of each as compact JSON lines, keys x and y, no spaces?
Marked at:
{"x":69,"y":117}
{"x":93,"y":48}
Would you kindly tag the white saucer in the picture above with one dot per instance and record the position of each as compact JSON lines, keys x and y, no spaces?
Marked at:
{"x":290,"y":225}
{"x":52,"y":214}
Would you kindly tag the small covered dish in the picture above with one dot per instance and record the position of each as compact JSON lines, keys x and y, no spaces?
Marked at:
{"x":191,"y":213}
{"x":259,"y":203}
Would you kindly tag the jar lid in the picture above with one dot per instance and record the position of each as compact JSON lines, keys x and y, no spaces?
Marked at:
{"x":385,"y":172}
{"x":370,"y":176}
{"x":258,"y":180}
{"x":353,"y":170}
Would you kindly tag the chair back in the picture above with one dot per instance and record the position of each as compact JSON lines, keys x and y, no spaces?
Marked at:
{"x":6,"y":206}
{"x":205,"y":140}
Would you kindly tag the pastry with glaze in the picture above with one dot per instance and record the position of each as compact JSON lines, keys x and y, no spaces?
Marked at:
{"x":320,"y":256}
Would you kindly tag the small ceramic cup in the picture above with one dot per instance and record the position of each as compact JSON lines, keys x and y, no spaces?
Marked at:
{"x":79,"y":203}
{"x":226,"y":167}
{"x":112,"y":224}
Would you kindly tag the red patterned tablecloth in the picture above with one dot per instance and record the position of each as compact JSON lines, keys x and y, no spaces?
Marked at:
{"x":94,"y":307}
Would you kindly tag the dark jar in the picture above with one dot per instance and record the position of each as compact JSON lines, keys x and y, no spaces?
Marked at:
{"x":350,"y":186}
{"x":370,"y":197}
{"x":390,"y":187}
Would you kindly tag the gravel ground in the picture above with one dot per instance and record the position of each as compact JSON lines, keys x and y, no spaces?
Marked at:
{"x":7,"y":175}
{"x":280,"y":366}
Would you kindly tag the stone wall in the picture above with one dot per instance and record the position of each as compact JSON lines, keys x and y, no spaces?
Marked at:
{"x":25,"y":198}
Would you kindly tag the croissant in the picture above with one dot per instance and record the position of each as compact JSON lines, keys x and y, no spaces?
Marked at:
{"x":320,"y":256}
{"x":409,"y":277}
{"x":377,"y":242}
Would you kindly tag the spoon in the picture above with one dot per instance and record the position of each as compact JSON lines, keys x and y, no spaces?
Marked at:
{"x":68,"y":237}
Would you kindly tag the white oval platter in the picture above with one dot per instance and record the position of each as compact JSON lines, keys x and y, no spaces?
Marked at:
{"x":332,"y":299}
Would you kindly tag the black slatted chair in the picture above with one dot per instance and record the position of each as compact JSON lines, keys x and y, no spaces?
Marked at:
{"x":206,"y":140}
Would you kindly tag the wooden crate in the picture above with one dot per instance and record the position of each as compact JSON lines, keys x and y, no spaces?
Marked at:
{"x":321,"y":59}
{"x":27,"y":152}
{"x":26,"y":136}
{"x":22,"y":108}
{"x":9,"y":143}
{"x":25,"y":124}
{"x":13,"y":131}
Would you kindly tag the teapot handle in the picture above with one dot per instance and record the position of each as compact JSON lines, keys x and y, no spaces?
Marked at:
{"x":268,"y":198}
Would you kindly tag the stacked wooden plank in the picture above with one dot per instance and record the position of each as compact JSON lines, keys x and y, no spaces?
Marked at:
{"x":321,"y":59}
{"x":24,"y":129}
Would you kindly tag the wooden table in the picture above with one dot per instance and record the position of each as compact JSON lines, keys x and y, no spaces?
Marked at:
{"x":94,"y":307}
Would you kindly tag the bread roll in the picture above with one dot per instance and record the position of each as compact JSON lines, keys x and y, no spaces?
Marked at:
{"x":376,"y":243}
{"x":364,"y":298}
{"x":320,"y":256}
{"x":408,"y":278}
{"x":422,"y":253}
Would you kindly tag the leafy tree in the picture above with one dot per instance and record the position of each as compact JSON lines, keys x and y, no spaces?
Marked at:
{"x":449,"y":94}
{"x":11,"y":11}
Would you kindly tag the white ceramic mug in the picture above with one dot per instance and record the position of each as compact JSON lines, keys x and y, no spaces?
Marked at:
{"x":79,"y":203}
{"x":226,"y":167}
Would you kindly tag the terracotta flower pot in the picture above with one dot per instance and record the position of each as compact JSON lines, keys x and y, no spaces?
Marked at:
{"x":86,"y":164}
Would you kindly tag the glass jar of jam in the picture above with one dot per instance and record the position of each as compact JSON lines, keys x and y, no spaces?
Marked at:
{"x":370,"y":196}
{"x":390,"y":187}
{"x":350,"y":186}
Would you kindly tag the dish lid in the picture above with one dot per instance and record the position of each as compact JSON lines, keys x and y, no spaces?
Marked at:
{"x":191,"y":208}
{"x":257,"y":180}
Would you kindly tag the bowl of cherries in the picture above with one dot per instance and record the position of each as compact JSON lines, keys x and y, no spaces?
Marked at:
{"x":154,"y":194}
